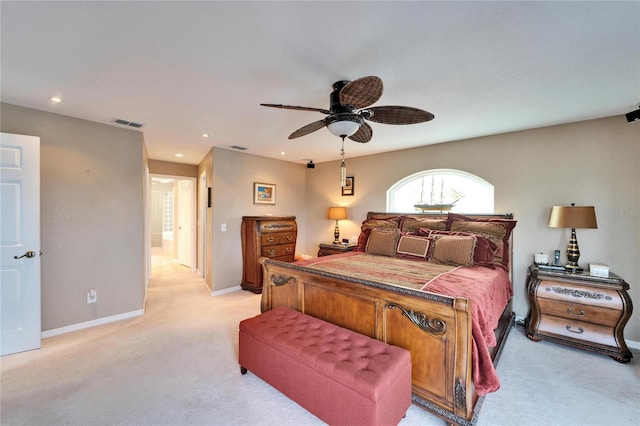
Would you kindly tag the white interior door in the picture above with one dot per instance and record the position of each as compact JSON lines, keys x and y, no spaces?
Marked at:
{"x":19,"y":243}
{"x":186,"y":208}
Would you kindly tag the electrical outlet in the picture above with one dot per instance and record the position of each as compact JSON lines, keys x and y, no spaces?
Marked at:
{"x":223,"y":227}
{"x":92,"y":296}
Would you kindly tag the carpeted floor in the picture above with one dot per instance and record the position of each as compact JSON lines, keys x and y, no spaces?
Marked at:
{"x":177,"y":365}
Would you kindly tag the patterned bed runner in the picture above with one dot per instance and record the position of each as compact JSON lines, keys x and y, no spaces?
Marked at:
{"x":389,"y":270}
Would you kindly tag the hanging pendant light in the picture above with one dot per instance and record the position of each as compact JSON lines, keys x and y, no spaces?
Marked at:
{"x":343,"y":167}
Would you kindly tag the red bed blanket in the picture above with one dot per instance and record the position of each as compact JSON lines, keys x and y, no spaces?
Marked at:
{"x":488,"y":290}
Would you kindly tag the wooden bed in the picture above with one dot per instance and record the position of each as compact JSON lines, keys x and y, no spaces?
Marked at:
{"x":435,"y":328}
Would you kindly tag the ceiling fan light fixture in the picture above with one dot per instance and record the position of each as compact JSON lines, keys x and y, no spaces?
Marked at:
{"x":344,"y":125}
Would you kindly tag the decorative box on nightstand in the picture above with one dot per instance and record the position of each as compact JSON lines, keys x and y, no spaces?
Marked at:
{"x":580,"y":310}
{"x":327,"y":249}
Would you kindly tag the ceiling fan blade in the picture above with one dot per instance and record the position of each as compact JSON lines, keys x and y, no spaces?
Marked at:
{"x":399,"y":115}
{"x":299,"y":108}
{"x":309,"y":128}
{"x":361,"y":92}
{"x":363,"y":135}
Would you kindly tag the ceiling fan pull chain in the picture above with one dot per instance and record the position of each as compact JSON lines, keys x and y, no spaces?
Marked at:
{"x":343,"y":167}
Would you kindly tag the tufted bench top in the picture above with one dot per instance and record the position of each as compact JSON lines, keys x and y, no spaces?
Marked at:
{"x":366,"y":365}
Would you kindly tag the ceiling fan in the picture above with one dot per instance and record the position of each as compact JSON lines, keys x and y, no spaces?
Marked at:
{"x":349,"y":108}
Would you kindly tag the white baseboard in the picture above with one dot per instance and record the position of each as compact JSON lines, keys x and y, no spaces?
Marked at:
{"x":225,"y":291}
{"x":92,"y":323}
{"x":633,"y":344}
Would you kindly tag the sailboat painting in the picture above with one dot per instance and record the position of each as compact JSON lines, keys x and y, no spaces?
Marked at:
{"x":437,"y":196}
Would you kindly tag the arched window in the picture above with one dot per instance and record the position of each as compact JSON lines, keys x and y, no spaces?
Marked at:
{"x":441,"y":190}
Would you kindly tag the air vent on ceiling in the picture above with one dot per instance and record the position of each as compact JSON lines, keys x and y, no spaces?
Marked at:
{"x":239,"y":148}
{"x":128,"y":123}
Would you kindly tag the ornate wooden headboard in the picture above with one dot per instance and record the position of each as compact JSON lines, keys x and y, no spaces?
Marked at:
{"x":443,"y":215}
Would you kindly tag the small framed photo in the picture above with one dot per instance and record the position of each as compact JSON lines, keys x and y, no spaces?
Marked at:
{"x":264,"y":193}
{"x":347,"y":189}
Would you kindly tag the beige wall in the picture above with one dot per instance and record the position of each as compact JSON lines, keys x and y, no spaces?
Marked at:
{"x":206,"y":167}
{"x":92,"y":234}
{"x":589,"y":163}
{"x":169,"y":168}
{"x":233,"y":176}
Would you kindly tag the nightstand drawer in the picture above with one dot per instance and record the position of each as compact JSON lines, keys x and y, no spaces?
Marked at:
{"x":578,"y":312}
{"x":278,"y":238}
{"x":577,"y":330}
{"x":573,"y":293}
{"x":281,"y":250}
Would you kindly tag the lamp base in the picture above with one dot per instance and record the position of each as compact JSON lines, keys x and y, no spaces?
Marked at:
{"x":336,"y":234}
{"x":573,"y":268}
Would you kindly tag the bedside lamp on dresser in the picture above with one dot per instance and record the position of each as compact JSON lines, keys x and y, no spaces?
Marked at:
{"x":573,"y":217}
{"x":337,"y":213}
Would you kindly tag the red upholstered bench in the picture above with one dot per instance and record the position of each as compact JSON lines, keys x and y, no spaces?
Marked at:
{"x":343,"y":377}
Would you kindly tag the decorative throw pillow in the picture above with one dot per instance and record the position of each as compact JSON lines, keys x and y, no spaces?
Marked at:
{"x":423,"y":232}
{"x":485,"y":251}
{"x":412,"y":246}
{"x":411,"y":224}
{"x":382,"y":242}
{"x":369,"y":224}
{"x":453,"y":250}
{"x":496,"y":230}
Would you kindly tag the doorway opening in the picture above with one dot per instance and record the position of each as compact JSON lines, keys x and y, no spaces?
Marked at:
{"x":173,"y":218}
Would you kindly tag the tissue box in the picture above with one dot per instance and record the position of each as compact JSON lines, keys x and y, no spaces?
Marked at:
{"x":598,"y":270}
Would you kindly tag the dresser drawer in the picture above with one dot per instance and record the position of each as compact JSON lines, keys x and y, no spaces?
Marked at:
{"x":288,"y":258}
{"x":278,"y":238}
{"x":278,"y":226}
{"x":579,"y":312}
{"x":279,"y":250}
{"x":578,"y":330}
{"x":593,"y":296}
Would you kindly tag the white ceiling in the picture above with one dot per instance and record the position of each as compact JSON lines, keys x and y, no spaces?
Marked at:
{"x":184,"y":68}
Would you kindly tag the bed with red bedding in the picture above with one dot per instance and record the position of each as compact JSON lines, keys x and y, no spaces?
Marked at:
{"x":437,"y":285}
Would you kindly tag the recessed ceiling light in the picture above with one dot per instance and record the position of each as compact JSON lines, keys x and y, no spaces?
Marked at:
{"x":55,"y":99}
{"x":281,"y":152}
{"x":178,"y":155}
{"x":205,"y":135}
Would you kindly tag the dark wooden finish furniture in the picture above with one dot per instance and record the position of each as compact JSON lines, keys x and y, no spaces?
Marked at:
{"x":265,"y":236}
{"x":579,"y":310}
{"x":441,"y":360}
{"x":327,"y":249}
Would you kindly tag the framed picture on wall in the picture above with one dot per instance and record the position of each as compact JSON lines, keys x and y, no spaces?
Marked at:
{"x":347,"y":189}
{"x":264,"y":193}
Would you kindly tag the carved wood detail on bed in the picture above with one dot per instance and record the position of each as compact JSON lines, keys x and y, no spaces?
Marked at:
{"x":435,"y":328}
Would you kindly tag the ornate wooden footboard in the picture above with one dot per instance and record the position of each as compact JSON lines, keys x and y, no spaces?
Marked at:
{"x":436,"y":329}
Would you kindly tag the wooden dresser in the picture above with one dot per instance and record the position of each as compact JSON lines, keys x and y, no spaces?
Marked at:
{"x":265,"y":236}
{"x":579,"y":310}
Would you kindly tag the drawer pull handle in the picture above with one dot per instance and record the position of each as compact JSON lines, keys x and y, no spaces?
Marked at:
{"x":270,"y":239}
{"x":289,"y":237}
{"x":288,"y":249}
{"x":580,"y":330}
{"x":579,"y":314}
{"x":271,"y":252}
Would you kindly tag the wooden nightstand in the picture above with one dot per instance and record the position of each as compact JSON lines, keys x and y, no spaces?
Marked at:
{"x":579,"y":310}
{"x":327,"y":249}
